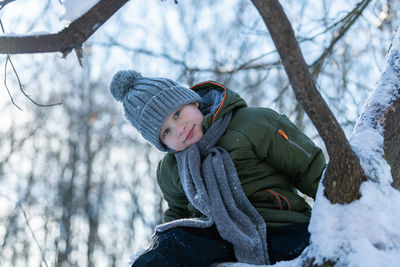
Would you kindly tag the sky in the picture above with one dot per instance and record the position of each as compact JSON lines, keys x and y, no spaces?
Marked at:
{"x":365,"y":232}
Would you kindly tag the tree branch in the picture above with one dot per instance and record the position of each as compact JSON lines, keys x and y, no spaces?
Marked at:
{"x":344,"y":173}
{"x":348,"y":21}
{"x":72,"y":37}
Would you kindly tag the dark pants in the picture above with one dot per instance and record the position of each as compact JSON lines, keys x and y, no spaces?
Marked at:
{"x":194,"y":247}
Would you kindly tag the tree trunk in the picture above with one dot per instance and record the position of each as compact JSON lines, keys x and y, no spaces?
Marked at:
{"x":344,"y":173}
{"x":390,"y":119}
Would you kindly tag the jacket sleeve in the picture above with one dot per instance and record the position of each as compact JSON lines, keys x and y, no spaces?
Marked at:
{"x":292,"y":153}
{"x":169,"y":182}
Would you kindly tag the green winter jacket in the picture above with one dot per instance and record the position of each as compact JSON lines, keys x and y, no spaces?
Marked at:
{"x":271,"y":155}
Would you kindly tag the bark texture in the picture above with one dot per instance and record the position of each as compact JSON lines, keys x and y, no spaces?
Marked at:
{"x":392,"y":141}
{"x":344,"y":173}
{"x":69,"y":38}
{"x":390,"y":118}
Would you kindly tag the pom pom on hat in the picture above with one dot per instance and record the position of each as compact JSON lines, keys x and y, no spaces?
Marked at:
{"x":122,"y":82}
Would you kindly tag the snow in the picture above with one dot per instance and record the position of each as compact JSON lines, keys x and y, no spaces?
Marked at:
{"x":76,"y":8}
{"x":12,"y":34}
{"x":365,"y":232}
{"x":366,"y":142}
{"x":135,"y":256}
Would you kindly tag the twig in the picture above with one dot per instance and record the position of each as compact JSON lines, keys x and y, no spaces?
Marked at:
{"x":244,"y":66}
{"x":33,"y":234}
{"x":8,"y":59}
{"x":23,"y":91}
{"x":5,"y":71}
{"x":5,"y":84}
{"x":18,"y":204}
{"x":347,"y":21}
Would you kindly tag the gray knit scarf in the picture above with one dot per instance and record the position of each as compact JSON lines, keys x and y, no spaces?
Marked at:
{"x":210,"y":181}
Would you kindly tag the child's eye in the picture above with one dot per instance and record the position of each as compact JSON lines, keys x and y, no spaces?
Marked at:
{"x":165,"y":133}
{"x":176,"y":114}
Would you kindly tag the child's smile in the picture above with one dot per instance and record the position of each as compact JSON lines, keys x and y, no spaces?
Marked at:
{"x":183,"y":127}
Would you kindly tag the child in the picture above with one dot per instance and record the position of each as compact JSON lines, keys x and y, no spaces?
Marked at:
{"x":229,"y":176}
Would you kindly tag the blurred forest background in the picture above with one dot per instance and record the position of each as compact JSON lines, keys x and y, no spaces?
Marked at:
{"x":77,"y":182}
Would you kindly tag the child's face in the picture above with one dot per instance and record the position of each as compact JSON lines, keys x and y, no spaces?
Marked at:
{"x":182,"y":128}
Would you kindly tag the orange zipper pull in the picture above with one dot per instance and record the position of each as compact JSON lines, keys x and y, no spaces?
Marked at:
{"x":283,"y":134}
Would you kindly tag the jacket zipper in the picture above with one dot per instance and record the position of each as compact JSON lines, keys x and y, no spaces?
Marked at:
{"x":282,"y":133}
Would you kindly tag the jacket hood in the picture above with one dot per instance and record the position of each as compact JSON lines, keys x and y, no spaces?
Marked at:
{"x":217,"y":100}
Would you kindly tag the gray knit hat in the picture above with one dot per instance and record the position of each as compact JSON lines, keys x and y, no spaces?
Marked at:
{"x":148,"y":101}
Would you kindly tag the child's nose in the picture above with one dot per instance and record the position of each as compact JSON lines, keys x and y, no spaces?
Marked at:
{"x":180,"y":129}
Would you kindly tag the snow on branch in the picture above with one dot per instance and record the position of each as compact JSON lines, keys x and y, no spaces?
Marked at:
{"x":71,"y":37}
{"x":376,"y":135}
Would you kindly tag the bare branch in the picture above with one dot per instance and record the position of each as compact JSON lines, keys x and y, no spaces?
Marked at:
{"x":347,"y":21}
{"x":21,"y":87}
{"x":69,"y":38}
{"x":8,"y":60}
{"x":248,"y":65}
{"x":5,"y":83}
